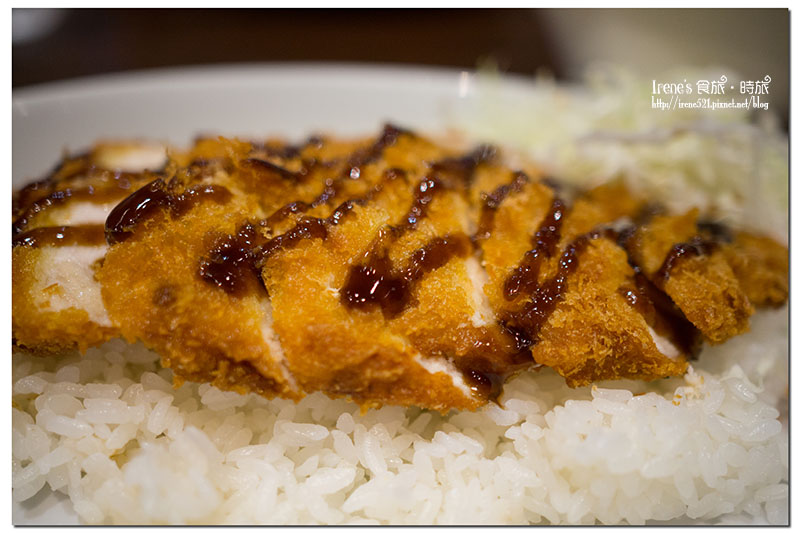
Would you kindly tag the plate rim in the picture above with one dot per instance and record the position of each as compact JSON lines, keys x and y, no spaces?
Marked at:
{"x":275,"y":72}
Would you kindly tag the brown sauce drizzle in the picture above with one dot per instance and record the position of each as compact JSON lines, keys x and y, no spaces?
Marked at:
{"x":83,"y":235}
{"x":525,"y":324}
{"x":377,"y":282}
{"x":30,"y":193}
{"x":231,"y":261}
{"x":269,"y":168}
{"x":484,"y":382}
{"x":352,"y":170}
{"x":67,"y":169}
{"x":658,"y":309}
{"x":364,"y":156}
{"x":306,"y":228}
{"x":464,"y":167}
{"x":717,"y":231}
{"x":485,"y":372}
{"x":491,"y":203}
{"x":696,"y":246}
{"x":424,"y":192}
{"x":287,"y":210}
{"x":235,"y":259}
{"x":524,"y":279}
{"x":294,"y":208}
{"x":155,"y":197}
{"x":229,"y":265}
{"x":666,"y":317}
{"x":89,"y":193}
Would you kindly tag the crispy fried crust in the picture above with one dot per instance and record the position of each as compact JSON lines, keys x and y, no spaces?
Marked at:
{"x":762,"y":267}
{"x":703,"y":286}
{"x":386,"y":270}
{"x":153,"y":292}
{"x":594,"y":334}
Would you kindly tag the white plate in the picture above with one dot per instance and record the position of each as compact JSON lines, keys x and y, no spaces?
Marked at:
{"x":174,"y":105}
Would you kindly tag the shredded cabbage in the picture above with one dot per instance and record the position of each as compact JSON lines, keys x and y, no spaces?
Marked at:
{"x":732,"y":163}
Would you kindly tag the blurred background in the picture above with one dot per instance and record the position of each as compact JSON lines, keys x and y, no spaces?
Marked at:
{"x":55,"y":44}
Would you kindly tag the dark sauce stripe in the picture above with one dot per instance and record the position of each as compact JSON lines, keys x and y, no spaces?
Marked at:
{"x":119,"y":189}
{"x":83,"y":235}
{"x":235,"y":260}
{"x":485,"y":374}
{"x":717,"y":231}
{"x":695,"y":247}
{"x":230,"y":264}
{"x":260,"y":165}
{"x":525,"y":324}
{"x":424,"y":193}
{"x":353,"y":170}
{"x":524,"y":279}
{"x":491,"y":202}
{"x":231,"y":261}
{"x":153,"y":198}
{"x":667,"y":318}
{"x":364,"y":156}
{"x":286,"y":211}
{"x":464,"y":167}
{"x":377,"y":283}
{"x":658,"y":309}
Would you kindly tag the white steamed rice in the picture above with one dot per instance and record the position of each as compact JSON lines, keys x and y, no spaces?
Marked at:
{"x":109,"y":431}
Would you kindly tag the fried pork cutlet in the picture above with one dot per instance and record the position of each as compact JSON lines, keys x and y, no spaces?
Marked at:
{"x":390,"y":270}
{"x":58,"y":243}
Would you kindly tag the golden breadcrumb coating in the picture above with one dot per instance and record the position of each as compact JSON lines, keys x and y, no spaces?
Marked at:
{"x":385,"y":270}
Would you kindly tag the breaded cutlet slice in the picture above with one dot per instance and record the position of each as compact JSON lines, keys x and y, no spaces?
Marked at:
{"x":694,"y":273}
{"x":215,"y":324}
{"x":596,"y":334}
{"x":761,"y":265}
{"x":408,"y":335}
{"x":59,"y":242}
{"x":153,"y":284}
{"x":581,"y":323}
{"x":153,"y":293}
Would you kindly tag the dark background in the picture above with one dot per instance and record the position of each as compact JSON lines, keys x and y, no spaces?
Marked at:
{"x":52,"y":44}
{"x":90,"y":41}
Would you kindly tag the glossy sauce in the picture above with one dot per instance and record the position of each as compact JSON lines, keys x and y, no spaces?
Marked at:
{"x":528,"y":321}
{"x":464,"y":167}
{"x":377,"y":282}
{"x":229,"y":265}
{"x":361,"y":157}
{"x":424,"y":192}
{"x":492,"y":201}
{"x":487,"y":368}
{"x":332,"y":186}
{"x":84,"y":235}
{"x":668,"y":319}
{"x":90,"y":193}
{"x":154,"y":198}
{"x":236,"y":259}
{"x":695,"y":247}
{"x":260,"y":165}
{"x":657,"y":308}
{"x":525,"y":278}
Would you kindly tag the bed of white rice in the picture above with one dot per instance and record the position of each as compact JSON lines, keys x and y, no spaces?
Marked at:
{"x":108,"y":430}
